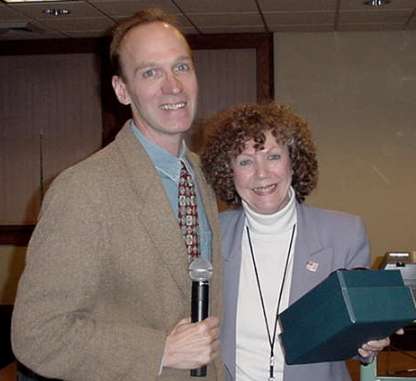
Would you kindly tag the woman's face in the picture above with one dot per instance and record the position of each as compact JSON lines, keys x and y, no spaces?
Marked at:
{"x":262,"y":178}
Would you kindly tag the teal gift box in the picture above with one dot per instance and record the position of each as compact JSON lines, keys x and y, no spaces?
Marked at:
{"x":349,"y":308}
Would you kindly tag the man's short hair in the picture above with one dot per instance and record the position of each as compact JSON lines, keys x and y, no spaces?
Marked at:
{"x":142,"y":17}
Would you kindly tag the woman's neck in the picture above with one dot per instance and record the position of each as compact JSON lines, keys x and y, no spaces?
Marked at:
{"x":280,"y":221}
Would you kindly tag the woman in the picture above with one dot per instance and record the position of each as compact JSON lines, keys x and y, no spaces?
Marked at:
{"x":261,"y":159}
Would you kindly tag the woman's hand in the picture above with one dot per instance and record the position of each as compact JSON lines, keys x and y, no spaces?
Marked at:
{"x":370,"y":350}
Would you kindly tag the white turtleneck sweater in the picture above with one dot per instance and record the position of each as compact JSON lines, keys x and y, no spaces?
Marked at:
{"x":270,"y":237}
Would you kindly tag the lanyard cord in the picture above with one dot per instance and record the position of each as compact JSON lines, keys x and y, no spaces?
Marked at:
{"x":271,"y":340}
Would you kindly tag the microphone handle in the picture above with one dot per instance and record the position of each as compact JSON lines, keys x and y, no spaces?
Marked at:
{"x":199,"y":312}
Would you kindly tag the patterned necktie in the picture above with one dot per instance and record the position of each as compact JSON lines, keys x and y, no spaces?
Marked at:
{"x":188,"y":213}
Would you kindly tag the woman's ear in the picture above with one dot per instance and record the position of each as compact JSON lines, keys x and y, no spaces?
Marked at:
{"x":120,"y":89}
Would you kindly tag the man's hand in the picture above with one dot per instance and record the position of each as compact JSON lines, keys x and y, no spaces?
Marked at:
{"x":370,"y":349}
{"x":192,"y":345}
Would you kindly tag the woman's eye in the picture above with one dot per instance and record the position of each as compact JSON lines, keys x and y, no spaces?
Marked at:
{"x":244,"y":162}
{"x":275,"y":156}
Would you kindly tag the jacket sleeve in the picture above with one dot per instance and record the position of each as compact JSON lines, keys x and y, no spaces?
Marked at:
{"x":54,"y":331}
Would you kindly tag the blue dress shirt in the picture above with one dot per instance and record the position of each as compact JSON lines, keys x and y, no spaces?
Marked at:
{"x":169,"y":167}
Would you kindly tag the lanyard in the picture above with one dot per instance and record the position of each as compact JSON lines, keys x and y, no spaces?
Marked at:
{"x":272,"y":339}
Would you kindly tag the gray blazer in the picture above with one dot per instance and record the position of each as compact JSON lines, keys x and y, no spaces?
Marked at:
{"x":106,"y":275}
{"x":332,"y":239}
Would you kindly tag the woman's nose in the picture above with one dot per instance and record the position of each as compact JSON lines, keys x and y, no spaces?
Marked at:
{"x":261,"y":169}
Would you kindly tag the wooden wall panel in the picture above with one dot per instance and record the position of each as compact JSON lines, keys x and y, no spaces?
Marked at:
{"x":50,"y":118}
{"x":226,"y":77}
{"x":19,"y":156}
{"x":79,"y":88}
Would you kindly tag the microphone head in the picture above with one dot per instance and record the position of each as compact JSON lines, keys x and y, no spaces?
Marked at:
{"x":200,"y":269}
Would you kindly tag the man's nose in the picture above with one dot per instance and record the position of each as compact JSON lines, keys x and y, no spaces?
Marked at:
{"x":172,"y":84}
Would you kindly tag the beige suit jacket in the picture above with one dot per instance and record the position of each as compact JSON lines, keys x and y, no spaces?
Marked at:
{"x":106,"y":275}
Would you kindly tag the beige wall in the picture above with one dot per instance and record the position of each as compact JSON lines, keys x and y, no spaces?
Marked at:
{"x":358,"y":91}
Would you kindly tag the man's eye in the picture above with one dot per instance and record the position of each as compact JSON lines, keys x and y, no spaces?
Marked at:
{"x":150,"y":73}
{"x":183,"y":67}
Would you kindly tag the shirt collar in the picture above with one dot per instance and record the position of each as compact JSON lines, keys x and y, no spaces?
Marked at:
{"x":164,"y":161}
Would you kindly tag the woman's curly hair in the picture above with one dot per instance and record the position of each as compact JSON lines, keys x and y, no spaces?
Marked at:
{"x":230,"y":130}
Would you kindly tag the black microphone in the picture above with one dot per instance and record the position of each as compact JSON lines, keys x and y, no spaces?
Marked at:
{"x":200,"y":271}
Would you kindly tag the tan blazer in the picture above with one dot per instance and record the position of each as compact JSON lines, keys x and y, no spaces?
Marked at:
{"x":106,"y":274}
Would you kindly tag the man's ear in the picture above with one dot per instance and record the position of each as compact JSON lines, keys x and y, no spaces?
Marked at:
{"x":120,"y":90}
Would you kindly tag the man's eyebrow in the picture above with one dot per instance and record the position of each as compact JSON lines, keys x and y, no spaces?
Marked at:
{"x":144,"y":65}
{"x":152,"y":64}
{"x":184,"y":58}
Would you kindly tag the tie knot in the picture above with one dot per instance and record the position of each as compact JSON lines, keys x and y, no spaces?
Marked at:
{"x":185,"y":178}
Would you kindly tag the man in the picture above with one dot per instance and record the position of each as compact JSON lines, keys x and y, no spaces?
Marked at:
{"x":105,"y":294}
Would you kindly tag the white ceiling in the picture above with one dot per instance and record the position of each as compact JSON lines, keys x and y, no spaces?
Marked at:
{"x":93,"y":18}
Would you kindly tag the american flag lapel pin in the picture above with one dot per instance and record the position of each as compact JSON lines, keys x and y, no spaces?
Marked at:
{"x":312,"y":266}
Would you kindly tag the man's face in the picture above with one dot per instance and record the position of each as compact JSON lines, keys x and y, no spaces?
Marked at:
{"x":159,"y":82}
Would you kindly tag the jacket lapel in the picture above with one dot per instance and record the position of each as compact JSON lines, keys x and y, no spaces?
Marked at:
{"x":204,"y":190}
{"x":156,"y":213}
{"x":210,"y":206}
{"x":231,"y":250}
{"x":312,"y":261}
